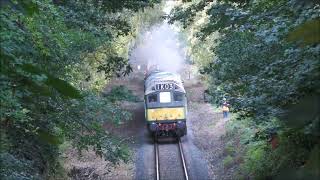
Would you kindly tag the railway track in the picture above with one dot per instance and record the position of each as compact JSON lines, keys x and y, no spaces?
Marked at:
{"x":182,"y":159}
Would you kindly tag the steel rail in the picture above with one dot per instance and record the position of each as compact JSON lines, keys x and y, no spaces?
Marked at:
{"x":156,"y":150}
{"x":157,"y":165}
{"x":183,"y":160}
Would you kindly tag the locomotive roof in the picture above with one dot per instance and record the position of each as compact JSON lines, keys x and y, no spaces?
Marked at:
{"x":162,"y":77}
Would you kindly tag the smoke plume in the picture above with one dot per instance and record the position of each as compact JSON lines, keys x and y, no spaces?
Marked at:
{"x":160,"y":46}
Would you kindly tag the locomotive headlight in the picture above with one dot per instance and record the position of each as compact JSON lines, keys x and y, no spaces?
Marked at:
{"x":153,"y":126}
{"x":181,"y":125}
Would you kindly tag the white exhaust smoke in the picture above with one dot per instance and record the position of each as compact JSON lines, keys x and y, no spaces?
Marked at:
{"x":160,"y":47}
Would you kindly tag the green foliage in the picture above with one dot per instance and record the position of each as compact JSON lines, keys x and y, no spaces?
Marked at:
{"x":254,"y":145}
{"x":263,"y":56}
{"x":227,"y":161}
{"x":186,"y":14}
{"x":307,"y":33}
{"x":121,"y":93}
{"x":55,"y":57}
{"x":229,"y":149}
{"x":63,"y":87}
{"x":256,"y":162}
{"x":15,"y":168}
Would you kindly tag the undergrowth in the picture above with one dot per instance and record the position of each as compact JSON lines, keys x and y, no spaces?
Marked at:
{"x":264,"y":155}
{"x":121,"y":93}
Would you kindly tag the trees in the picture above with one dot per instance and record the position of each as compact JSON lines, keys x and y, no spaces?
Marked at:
{"x":55,"y":58}
{"x":263,"y":56}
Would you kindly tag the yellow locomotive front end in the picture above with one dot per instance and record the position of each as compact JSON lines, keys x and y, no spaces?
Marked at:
{"x":165,"y":104}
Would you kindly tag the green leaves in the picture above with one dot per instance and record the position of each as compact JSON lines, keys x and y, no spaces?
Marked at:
{"x":63,"y":87}
{"x":121,"y":93}
{"x":29,"y":6}
{"x":186,"y":15}
{"x":307,"y":33}
{"x":31,"y":69}
{"x":252,"y":62}
{"x":115,"y":65}
{"x":49,"y":138}
{"x":304,"y":112}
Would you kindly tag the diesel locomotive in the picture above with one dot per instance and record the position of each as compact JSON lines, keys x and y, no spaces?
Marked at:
{"x":165,"y":104}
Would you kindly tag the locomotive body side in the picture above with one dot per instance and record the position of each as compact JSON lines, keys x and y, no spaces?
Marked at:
{"x":165,"y":104}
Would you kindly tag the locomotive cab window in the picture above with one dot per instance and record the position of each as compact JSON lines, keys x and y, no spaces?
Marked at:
{"x":165,"y":97}
{"x":152,"y":98}
{"x":178,"y":96}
